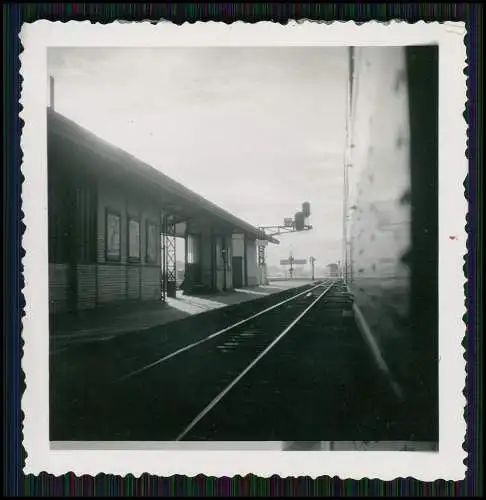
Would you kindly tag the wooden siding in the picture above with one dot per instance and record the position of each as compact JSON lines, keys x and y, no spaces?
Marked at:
{"x":150,"y":283}
{"x":86,"y":286}
{"x":133,"y":282}
{"x":58,"y":287}
{"x":112,"y":283}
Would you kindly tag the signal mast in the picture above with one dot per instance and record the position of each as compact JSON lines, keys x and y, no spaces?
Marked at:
{"x":295,"y":224}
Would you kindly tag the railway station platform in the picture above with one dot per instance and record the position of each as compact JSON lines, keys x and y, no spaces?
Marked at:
{"x":99,"y":324}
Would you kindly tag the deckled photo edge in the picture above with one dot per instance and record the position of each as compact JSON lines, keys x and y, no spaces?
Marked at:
{"x":40,"y":457}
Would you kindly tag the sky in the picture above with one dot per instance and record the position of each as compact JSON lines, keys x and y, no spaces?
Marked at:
{"x":257,"y":131}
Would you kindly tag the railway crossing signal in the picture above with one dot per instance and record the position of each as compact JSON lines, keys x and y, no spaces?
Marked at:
{"x":298,"y":262}
{"x":291,"y":262}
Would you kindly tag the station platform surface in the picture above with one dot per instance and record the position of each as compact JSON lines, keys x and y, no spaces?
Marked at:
{"x":90,"y":325}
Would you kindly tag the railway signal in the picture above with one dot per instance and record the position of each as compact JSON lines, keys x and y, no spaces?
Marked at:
{"x":312,"y":261}
{"x":288,"y":222}
{"x":290,"y":225}
{"x":299,"y":221}
{"x":306,"y":209}
{"x":291,"y":262}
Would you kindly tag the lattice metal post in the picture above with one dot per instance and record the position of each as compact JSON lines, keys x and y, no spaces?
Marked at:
{"x":261,"y":263}
{"x":163,"y":265}
{"x":170,"y":255}
{"x":261,"y":258}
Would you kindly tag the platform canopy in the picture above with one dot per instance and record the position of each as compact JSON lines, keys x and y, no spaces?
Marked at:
{"x":177,"y":200}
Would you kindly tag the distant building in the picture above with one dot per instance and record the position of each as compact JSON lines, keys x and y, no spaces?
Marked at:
{"x":333,"y":270}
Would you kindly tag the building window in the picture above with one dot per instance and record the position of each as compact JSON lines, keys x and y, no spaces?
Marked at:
{"x":151,"y":242}
{"x":133,"y":239}
{"x":113,"y":235}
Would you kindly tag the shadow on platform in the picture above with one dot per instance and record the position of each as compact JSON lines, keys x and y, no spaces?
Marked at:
{"x":108,"y":321}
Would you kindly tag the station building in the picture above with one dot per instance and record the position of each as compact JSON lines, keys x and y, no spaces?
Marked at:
{"x":113,"y":224}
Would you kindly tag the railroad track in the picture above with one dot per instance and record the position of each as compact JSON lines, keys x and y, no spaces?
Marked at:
{"x":77,"y":376}
{"x":240,"y":333}
{"x":254,"y":340}
{"x":212,"y":388}
{"x":87,"y":365}
{"x":319,"y":382}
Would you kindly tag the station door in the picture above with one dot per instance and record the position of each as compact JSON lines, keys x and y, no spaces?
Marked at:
{"x":237,"y":265}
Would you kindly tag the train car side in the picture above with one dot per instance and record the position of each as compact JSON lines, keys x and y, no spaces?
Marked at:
{"x":392,"y":249}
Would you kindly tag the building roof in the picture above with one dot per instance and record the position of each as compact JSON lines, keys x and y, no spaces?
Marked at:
{"x":183,"y":201}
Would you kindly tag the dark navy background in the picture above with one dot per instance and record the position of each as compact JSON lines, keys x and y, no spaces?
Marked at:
{"x":15,"y":482}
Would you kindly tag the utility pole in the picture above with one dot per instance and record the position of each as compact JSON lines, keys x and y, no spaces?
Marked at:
{"x":312,"y":261}
{"x":51,"y":92}
{"x":347,"y":164}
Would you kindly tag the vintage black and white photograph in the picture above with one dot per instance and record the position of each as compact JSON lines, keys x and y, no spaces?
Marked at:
{"x":243,"y":247}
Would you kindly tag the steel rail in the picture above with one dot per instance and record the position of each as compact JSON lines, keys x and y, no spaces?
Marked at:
{"x":225,"y":391}
{"x":214,"y":335}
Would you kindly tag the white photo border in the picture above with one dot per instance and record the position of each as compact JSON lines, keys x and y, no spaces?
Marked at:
{"x":448,"y":462}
